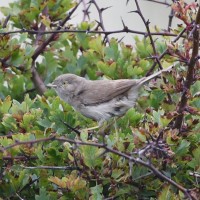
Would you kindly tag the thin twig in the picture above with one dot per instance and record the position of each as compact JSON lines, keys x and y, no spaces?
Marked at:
{"x":53,"y":167}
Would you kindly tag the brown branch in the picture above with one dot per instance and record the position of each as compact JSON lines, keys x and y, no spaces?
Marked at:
{"x":85,"y":11}
{"x":6,"y":21}
{"x":155,"y":56}
{"x":159,"y":2}
{"x":101,"y":23}
{"x":171,"y":15}
{"x":52,"y":167}
{"x":90,"y":31}
{"x":37,"y":80}
{"x":190,"y":74}
{"x":166,"y":51}
{"x":41,"y":48}
{"x":42,"y":26}
{"x":146,"y":23}
{"x":24,"y":158}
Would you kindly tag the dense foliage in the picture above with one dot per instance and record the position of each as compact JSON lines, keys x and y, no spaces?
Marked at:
{"x":46,"y":150}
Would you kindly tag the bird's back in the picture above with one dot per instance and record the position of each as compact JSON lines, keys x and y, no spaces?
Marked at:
{"x":100,"y":91}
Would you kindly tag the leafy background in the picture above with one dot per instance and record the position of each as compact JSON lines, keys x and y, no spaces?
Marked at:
{"x":46,"y":151}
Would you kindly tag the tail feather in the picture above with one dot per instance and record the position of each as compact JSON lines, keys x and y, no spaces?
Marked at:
{"x":146,"y":79}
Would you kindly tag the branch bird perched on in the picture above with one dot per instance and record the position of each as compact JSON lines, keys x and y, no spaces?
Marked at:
{"x":100,"y":99}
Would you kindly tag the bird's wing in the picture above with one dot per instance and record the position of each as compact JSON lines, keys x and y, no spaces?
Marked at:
{"x":96,"y":92}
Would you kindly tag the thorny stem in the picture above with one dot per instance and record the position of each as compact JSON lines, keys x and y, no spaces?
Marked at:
{"x":166,"y":51}
{"x":190,"y":74}
{"x":89,"y":31}
{"x":37,"y":80}
{"x":146,"y":23}
{"x":101,"y":23}
{"x":157,"y":60}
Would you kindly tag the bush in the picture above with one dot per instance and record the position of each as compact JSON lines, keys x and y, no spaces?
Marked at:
{"x":46,"y":150}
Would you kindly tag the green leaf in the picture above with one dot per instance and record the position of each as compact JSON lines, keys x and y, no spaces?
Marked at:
{"x":97,"y":192}
{"x":195,"y":88}
{"x":9,"y":123}
{"x":96,"y":45}
{"x":45,"y":123}
{"x":196,"y":102}
{"x":5,"y":105}
{"x":183,"y":148}
{"x":28,"y":118}
{"x":112,"y":51}
{"x":91,"y":156}
{"x":143,"y":47}
{"x":166,"y":194}
{"x":195,"y":162}
{"x":43,"y":195}
{"x":138,"y":134}
{"x":133,"y":116}
{"x":156,"y":97}
{"x":116,"y":173}
{"x":157,"y":117}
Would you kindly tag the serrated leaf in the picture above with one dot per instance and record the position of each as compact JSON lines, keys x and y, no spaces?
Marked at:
{"x":9,"y":123}
{"x":57,"y":181}
{"x":5,"y":105}
{"x":183,"y":148}
{"x":27,"y":120}
{"x":157,"y":116}
{"x":166,"y":194}
{"x":195,"y":162}
{"x":45,"y":123}
{"x":195,"y":88}
{"x":96,"y":192}
{"x":91,"y":156}
{"x":43,"y":195}
{"x":156,"y":97}
{"x":138,"y":134}
{"x":133,"y":116}
{"x":116,"y":173}
{"x":96,"y":45}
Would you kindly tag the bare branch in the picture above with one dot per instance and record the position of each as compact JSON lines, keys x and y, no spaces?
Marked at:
{"x":90,"y":31}
{"x":159,"y":2}
{"x":37,"y":80}
{"x":190,"y":73}
{"x":6,"y":21}
{"x":53,"y":167}
{"x":101,"y":23}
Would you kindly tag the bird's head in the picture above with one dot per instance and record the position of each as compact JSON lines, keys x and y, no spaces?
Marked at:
{"x":66,"y":84}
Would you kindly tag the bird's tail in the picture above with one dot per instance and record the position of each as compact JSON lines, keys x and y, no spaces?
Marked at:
{"x":146,"y":79}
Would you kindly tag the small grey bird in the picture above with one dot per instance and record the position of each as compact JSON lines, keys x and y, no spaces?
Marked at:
{"x":100,"y":99}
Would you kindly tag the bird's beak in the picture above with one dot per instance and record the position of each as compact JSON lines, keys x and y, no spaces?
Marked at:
{"x":51,"y":85}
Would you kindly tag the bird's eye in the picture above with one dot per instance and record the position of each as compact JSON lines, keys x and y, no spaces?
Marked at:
{"x":65,"y":83}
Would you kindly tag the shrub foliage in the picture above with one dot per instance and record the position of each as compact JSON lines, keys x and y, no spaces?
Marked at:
{"x":46,"y":150}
